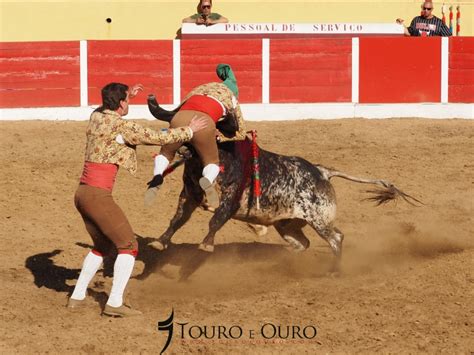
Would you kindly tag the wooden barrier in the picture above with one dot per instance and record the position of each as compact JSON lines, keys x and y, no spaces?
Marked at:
{"x":400,"y":70}
{"x":131,"y":62}
{"x":199,"y":59}
{"x":461,"y":69}
{"x":39,"y":74}
{"x":310,"y":70}
{"x":313,"y":70}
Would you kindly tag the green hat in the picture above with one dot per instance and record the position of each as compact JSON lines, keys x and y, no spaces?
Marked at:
{"x":225,"y":73}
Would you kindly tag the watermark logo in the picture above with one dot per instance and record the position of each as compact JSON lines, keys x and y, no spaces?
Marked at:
{"x":267,"y":333}
{"x":167,"y":326}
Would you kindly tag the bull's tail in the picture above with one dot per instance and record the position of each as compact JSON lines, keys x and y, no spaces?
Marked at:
{"x":385,"y":193}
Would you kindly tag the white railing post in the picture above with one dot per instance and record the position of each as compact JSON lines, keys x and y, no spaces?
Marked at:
{"x":444,"y":69}
{"x":355,"y":70}
{"x":176,"y":72}
{"x":265,"y":70}
{"x":84,"y":84}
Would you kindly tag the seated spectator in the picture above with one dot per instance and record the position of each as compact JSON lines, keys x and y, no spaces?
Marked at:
{"x":205,"y":16}
{"x":427,"y":24}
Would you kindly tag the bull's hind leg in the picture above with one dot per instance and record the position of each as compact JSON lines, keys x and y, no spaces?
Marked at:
{"x":291,"y":231}
{"x":334,"y":237}
{"x":186,"y":206}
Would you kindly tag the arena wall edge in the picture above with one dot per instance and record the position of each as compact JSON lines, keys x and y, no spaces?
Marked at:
{"x":255,"y":68}
{"x":267,"y":112}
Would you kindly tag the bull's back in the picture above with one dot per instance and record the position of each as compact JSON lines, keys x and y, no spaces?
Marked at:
{"x":291,"y":187}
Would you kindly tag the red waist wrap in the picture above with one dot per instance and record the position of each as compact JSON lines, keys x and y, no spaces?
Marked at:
{"x":205,"y":104}
{"x":101,"y":175}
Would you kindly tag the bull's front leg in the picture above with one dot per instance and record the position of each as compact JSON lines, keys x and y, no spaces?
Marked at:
{"x":224,"y":212}
{"x":186,"y":205}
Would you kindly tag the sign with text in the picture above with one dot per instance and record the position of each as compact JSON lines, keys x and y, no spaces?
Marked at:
{"x":283,"y":30}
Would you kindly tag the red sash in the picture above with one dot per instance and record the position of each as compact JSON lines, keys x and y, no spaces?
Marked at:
{"x":101,"y":175}
{"x":205,"y":104}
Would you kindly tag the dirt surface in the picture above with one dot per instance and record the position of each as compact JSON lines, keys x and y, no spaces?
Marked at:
{"x":408,"y":272}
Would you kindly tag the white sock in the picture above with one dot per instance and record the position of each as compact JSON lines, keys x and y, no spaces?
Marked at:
{"x":123,"y":268}
{"x":90,"y":266}
{"x":161,"y":163}
{"x":210,"y":172}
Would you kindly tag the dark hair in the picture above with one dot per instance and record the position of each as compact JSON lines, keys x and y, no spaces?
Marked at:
{"x":200,"y":3}
{"x":112,"y":94}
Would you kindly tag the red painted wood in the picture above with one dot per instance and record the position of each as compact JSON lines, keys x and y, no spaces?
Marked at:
{"x":310,"y":70}
{"x":199,"y":59}
{"x":312,"y":93}
{"x":39,"y":74}
{"x":461,"y":70}
{"x":130,"y":62}
{"x":43,"y":97}
{"x":459,"y":60}
{"x":461,"y":44}
{"x":396,"y":70}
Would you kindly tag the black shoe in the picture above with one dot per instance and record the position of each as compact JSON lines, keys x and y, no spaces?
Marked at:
{"x":156,"y":181}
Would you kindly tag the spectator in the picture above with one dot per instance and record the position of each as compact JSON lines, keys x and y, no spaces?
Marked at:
{"x":427,"y":24}
{"x":205,"y":16}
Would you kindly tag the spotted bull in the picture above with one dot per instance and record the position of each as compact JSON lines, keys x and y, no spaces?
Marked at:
{"x":294,"y":193}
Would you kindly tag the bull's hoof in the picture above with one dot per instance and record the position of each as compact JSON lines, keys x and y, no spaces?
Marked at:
{"x":261,"y":230}
{"x":158,"y":245}
{"x":296,"y":245}
{"x":258,"y":229}
{"x":208,"y":208}
{"x":333,"y":274}
{"x":206,"y":247}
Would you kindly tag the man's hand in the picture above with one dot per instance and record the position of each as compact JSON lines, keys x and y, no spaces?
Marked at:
{"x":399,"y":21}
{"x":197,"y":124}
{"x":201,"y":21}
{"x":134,"y":90}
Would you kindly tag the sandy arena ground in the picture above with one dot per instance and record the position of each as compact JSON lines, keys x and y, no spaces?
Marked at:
{"x":408,"y":272}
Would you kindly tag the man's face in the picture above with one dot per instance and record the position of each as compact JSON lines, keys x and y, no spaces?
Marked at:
{"x":426,"y":9}
{"x":206,"y":7}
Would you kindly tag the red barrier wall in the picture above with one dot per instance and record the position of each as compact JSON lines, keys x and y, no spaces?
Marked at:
{"x":393,"y":70}
{"x":39,"y":74}
{"x":199,"y":59}
{"x":130,"y":62}
{"x":310,"y":70}
{"x":461,"y":69}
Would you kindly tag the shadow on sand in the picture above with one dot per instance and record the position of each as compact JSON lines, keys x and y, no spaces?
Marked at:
{"x":186,"y":256}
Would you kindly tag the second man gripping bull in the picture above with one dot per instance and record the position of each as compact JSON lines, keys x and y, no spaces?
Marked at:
{"x":215,"y":102}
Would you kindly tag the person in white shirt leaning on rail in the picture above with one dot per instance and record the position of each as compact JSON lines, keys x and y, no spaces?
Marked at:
{"x":205,"y":16}
{"x":427,"y":24}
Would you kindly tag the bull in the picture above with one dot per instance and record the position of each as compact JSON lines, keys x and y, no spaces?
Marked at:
{"x":294,"y":193}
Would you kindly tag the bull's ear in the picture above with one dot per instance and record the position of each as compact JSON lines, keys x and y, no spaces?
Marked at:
{"x":158,"y":112}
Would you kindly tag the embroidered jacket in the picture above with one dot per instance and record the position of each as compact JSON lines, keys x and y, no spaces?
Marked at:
{"x":222,"y":93}
{"x":102,"y":132}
